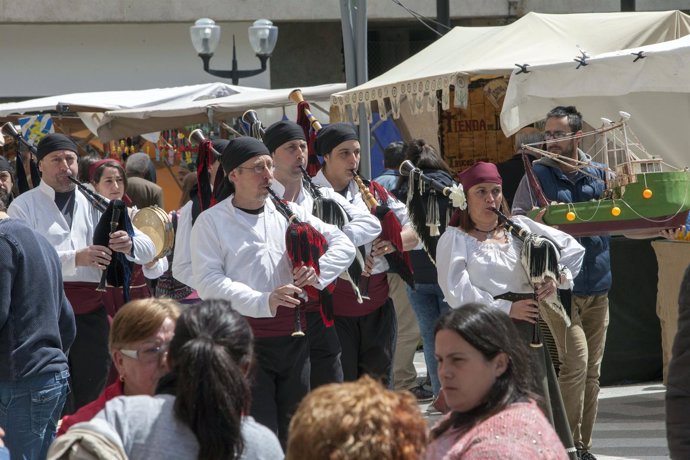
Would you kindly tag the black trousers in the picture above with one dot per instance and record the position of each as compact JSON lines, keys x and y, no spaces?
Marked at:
{"x":281,"y":380}
{"x":368,"y":343}
{"x":89,"y":359}
{"x":324,"y":352}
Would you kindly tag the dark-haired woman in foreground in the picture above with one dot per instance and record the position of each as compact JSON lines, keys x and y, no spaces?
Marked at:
{"x":210,"y":357}
{"x":485,"y":376}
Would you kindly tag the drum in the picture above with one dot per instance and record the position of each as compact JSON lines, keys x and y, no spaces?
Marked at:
{"x":155,"y":223}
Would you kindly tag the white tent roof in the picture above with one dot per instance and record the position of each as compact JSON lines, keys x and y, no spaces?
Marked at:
{"x":467,"y":52}
{"x":118,"y":114}
{"x":113,"y":100}
{"x":654,"y":89}
{"x":126,"y":122}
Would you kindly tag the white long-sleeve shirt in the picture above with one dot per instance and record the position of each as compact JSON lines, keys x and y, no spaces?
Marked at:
{"x":38,"y":209}
{"x":354,"y":196}
{"x":474,"y":271}
{"x":363,"y":226}
{"x":242,"y":257}
{"x":182,"y":262}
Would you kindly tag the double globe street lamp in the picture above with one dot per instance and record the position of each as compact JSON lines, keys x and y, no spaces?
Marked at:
{"x":205,"y":34}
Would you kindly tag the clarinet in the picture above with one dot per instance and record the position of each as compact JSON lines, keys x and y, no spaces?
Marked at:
{"x":285,"y":210}
{"x":524,"y":236}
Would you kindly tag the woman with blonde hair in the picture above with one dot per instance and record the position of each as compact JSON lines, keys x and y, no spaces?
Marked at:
{"x":361,"y":420}
{"x":139,"y":338}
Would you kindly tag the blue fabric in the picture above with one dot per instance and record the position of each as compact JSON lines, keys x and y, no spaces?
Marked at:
{"x":4,"y":453}
{"x":36,"y":319}
{"x":428,"y":305}
{"x":388,"y":179}
{"x":385,"y":132}
{"x":29,"y":412}
{"x":595,"y":275}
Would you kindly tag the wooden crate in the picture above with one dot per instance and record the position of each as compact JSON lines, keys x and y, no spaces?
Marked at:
{"x":473,"y":134}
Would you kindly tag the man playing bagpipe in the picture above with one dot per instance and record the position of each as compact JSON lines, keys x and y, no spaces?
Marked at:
{"x":287,"y":142}
{"x":240,"y":252}
{"x":366,"y":330}
{"x":69,"y":220}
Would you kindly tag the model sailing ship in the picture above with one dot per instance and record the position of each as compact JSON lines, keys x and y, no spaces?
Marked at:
{"x":640,"y":195}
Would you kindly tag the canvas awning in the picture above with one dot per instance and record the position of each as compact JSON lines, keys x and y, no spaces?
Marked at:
{"x":652,"y":83}
{"x":127,"y":122}
{"x":466,"y":53}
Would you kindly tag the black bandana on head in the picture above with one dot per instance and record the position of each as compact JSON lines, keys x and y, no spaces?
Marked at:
{"x":5,"y":165}
{"x":281,"y":132}
{"x":240,"y":150}
{"x":54,"y":142}
{"x":333,"y":135}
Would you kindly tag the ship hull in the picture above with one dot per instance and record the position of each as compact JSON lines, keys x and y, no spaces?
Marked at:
{"x":666,"y":208}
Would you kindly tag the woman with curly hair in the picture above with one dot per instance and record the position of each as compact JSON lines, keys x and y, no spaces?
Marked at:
{"x":361,"y":420}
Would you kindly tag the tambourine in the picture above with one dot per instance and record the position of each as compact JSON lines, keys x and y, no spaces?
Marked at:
{"x":155,"y":223}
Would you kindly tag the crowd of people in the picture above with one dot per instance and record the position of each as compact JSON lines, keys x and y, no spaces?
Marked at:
{"x":285,"y":321}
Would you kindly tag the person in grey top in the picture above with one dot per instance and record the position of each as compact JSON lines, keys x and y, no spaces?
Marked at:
{"x":210,"y":357}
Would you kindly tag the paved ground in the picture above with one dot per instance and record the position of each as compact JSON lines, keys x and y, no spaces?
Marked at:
{"x":630,"y":425}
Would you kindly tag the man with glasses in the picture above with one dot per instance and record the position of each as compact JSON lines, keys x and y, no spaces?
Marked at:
{"x":239,"y":254}
{"x":581,"y":346}
{"x":287,"y":143}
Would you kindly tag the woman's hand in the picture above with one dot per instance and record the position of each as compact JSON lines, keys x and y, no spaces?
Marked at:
{"x":525,"y":310}
{"x":546,"y":289}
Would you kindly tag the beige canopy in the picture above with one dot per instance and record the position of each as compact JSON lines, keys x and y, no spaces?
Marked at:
{"x":466,"y":53}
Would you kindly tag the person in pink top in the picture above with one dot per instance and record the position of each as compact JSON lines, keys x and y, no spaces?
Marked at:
{"x":139,"y":338}
{"x":485,"y":377}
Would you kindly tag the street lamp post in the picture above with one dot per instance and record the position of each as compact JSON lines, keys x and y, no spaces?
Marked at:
{"x":205,"y":35}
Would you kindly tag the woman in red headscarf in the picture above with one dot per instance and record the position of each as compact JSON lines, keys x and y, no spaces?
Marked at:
{"x":108,"y":179}
{"x":480,"y":260}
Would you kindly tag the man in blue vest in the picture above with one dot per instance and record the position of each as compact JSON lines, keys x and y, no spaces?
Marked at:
{"x":581,"y":346}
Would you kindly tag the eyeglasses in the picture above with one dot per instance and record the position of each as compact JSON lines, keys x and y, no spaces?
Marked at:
{"x":258,"y":169}
{"x":147,"y":354}
{"x":556,"y":134}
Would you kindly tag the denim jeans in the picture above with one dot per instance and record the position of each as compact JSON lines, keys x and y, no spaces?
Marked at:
{"x":428,"y":304}
{"x":29,"y":411}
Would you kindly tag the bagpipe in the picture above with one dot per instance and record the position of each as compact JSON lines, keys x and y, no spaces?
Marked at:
{"x":9,"y":130}
{"x":304,"y":244}
{"x":326,"y":209}
{"x":114,"y":217}
{"x":391,"y":228}
{"x":539,"y":258}
{"x":310,"y":125}
{"x":426,"y":216}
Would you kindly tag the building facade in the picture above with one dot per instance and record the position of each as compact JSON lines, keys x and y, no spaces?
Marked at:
{"x":98,"y":45}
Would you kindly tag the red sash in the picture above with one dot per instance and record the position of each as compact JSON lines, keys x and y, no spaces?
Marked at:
{"x":83,"y":296}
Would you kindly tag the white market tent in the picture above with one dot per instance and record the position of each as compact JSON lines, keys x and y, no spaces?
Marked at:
{"x":118,"y":114}
{"x":88,"y":105}
{"x":466,"y":53}
{"x":654,"y":89}
{"x":127,"y":122}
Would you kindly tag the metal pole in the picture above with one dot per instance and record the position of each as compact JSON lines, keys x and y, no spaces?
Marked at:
{"x":353,"y":17}
{"x":443,"y":16}
{"x":627,"y":5}
{"x":361,"y":56}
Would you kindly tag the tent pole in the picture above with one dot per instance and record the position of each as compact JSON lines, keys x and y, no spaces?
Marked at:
{"x":442,"y":16}
{"x":627,"y":5}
